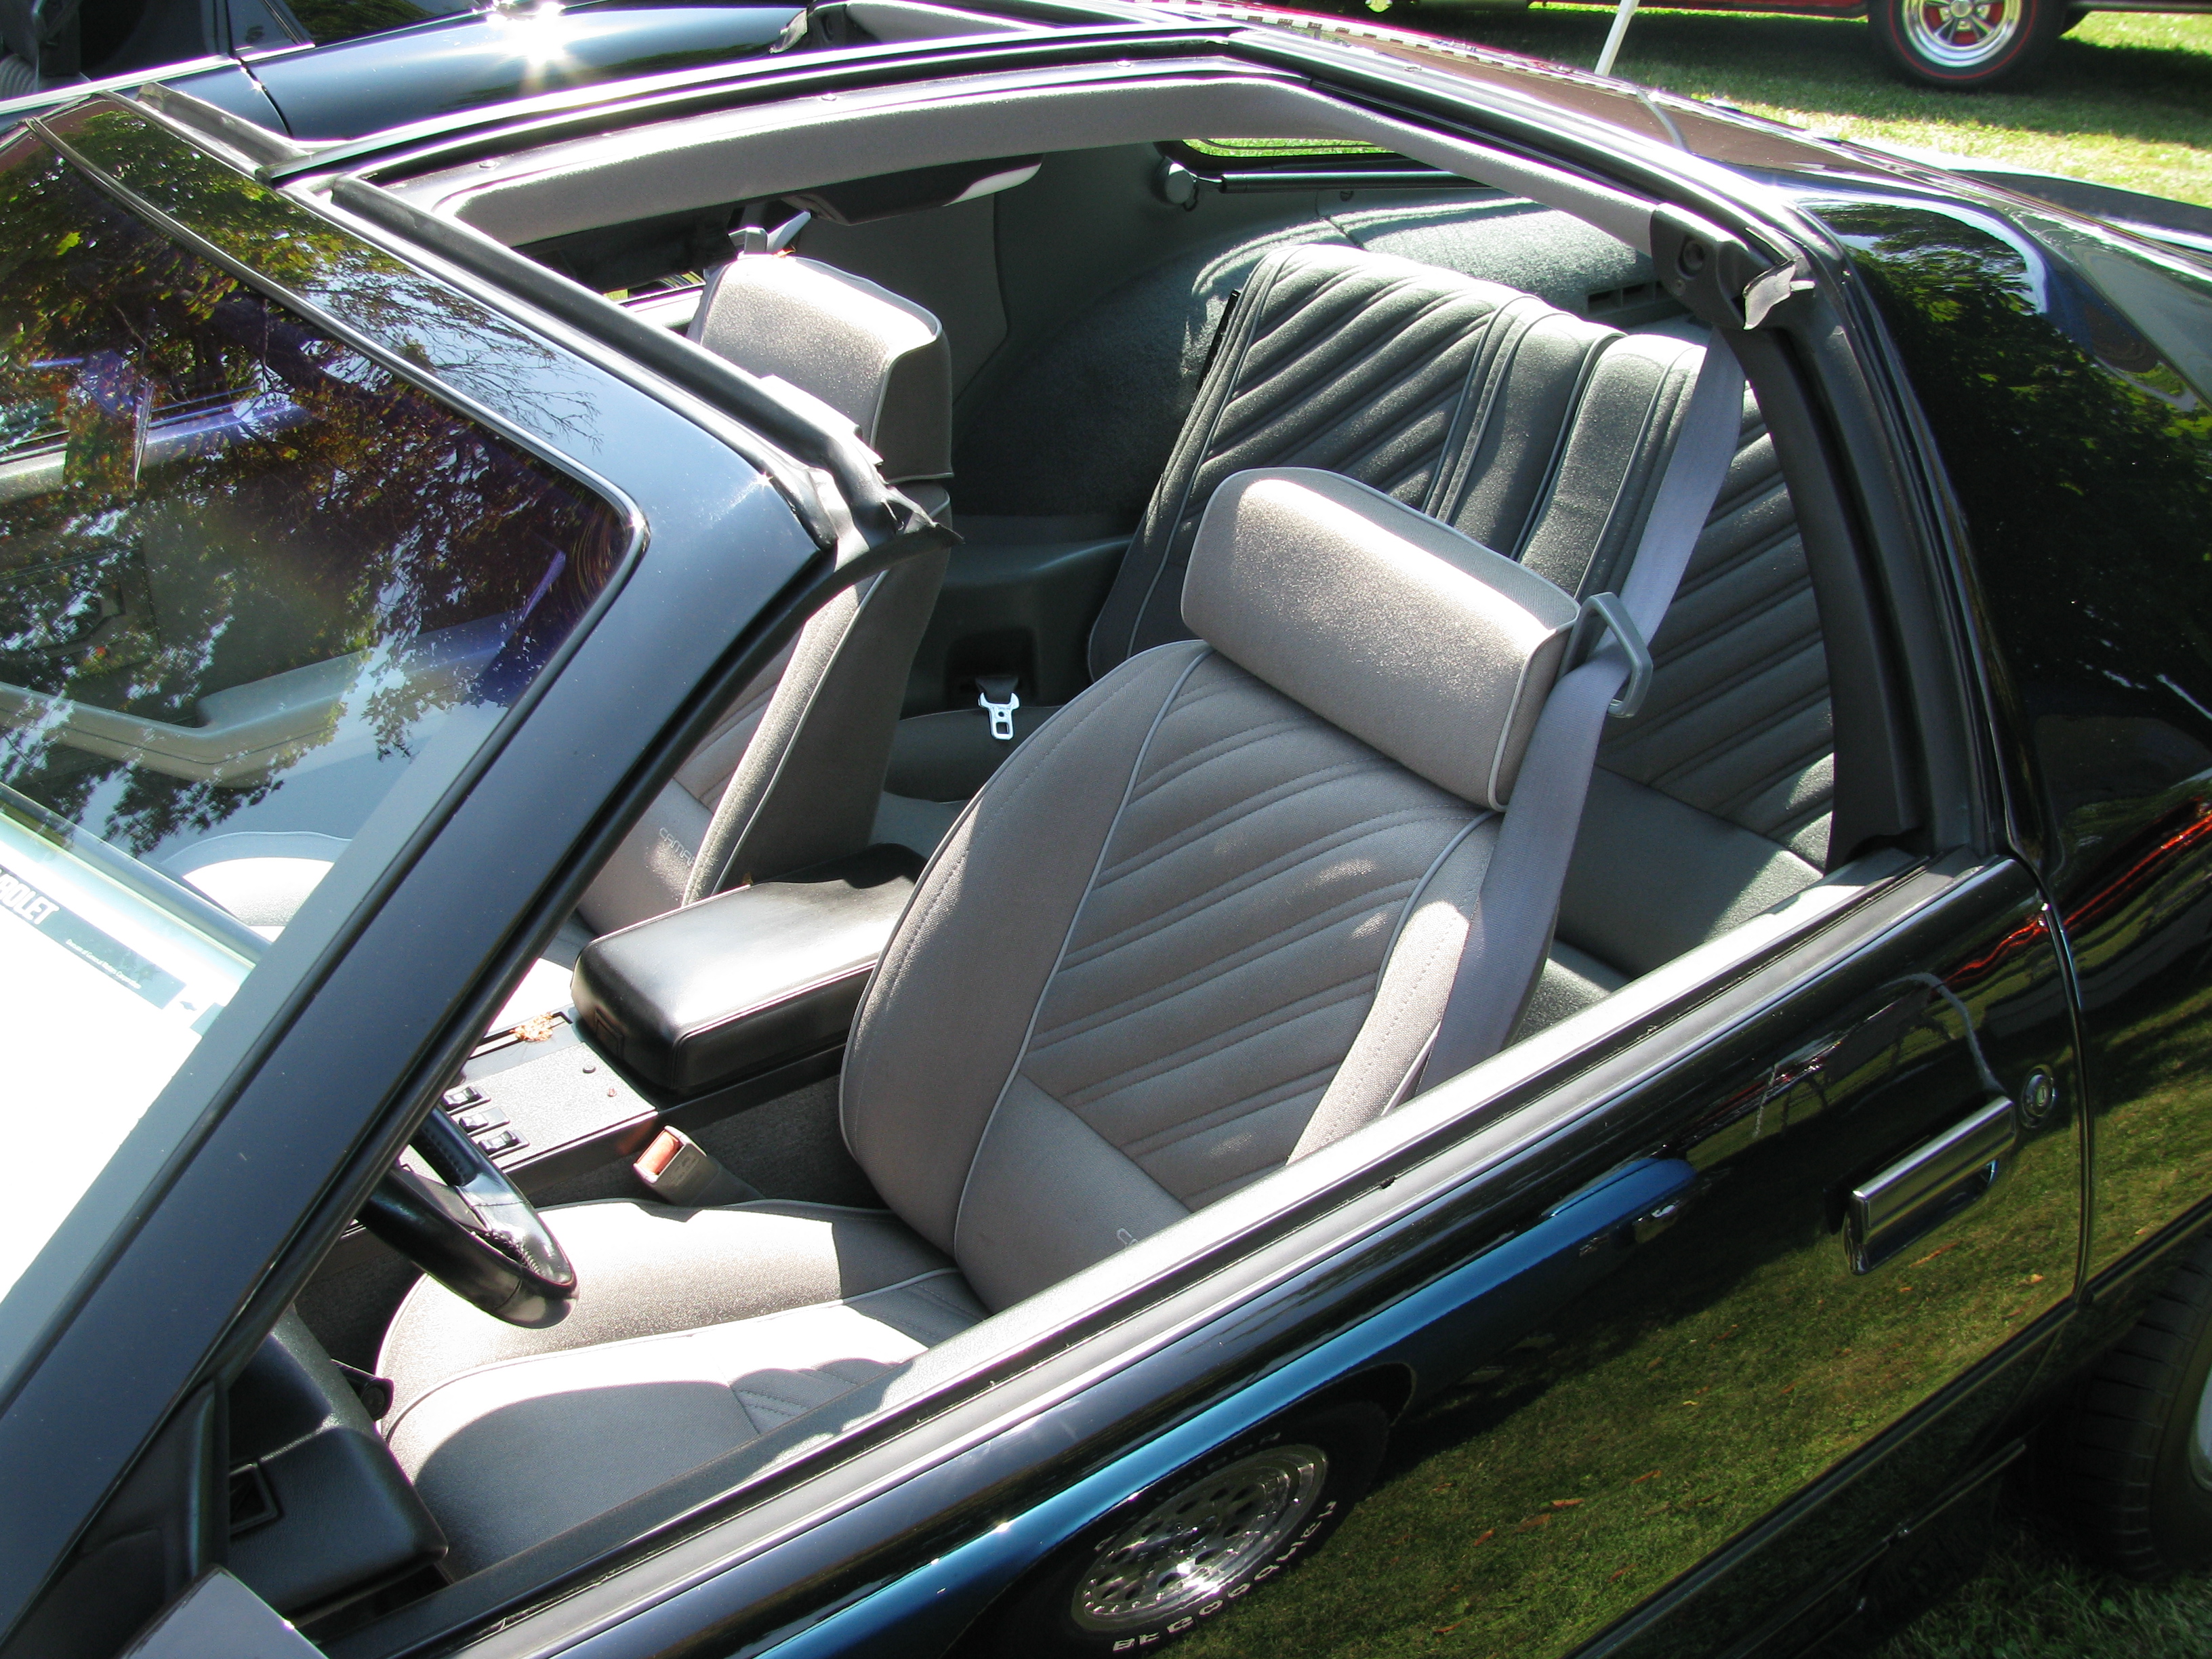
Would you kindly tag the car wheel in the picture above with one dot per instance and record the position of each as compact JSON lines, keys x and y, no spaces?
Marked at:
{"x":2133,"y":1456}
{"x":1185,"y":1551}
{"x":1965,"y":44}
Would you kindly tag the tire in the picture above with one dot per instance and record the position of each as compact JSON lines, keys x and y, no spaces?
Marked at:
{"x":2132,"y":1458}
{"x":1965,"y":45}
{"x":1252,"y":1511}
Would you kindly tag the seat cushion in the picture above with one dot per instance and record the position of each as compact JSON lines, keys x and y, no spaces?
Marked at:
{"x":692,"y":1333}
{"x":644,"y":1269}
{"x":509,"y":1453}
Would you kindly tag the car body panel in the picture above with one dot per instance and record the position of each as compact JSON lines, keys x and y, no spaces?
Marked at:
{"x":1577,"y":1338}
{"x":436,"y":69}
{"x":250,"y":63}
{"x":2088,"y":541}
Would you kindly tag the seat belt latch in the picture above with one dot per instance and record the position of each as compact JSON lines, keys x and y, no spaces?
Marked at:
{"x":995,"y":697}
{"x":677,"y":1169}
{"x":1604,"y":614}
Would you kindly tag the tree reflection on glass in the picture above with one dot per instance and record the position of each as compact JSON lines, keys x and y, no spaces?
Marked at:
{"x":199,"y":491}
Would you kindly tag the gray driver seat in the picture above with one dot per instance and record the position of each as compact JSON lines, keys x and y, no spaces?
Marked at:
{"x":1203,"y":923}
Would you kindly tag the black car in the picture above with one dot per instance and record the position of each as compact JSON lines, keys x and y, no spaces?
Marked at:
{"x":330,"y":68}
{"x":1072,"y":827}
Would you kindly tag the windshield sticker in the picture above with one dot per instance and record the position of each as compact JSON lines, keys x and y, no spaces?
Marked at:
{"x":79,"y":937}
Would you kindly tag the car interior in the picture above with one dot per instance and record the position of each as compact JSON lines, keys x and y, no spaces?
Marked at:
{"x":1051,"y":905}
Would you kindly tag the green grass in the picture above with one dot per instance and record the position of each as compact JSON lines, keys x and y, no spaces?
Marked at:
{"x":2034,"y":1601}
{"x":2126,"y":100}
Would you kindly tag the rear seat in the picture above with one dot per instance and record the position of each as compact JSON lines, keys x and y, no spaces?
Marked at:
{"x":1722,"y":787}
{"x":1539,"y":435}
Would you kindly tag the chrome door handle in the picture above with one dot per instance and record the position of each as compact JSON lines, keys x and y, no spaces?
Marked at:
{"x":1930,"y":1183}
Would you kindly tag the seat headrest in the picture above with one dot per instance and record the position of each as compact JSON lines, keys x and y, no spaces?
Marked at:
{"x":1417,"y":641}
{"x":877,"y":359}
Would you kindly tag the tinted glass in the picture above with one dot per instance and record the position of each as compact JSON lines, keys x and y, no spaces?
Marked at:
{"x":250,"y":580}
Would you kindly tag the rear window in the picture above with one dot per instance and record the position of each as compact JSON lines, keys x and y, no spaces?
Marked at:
{"x":250,"y":578}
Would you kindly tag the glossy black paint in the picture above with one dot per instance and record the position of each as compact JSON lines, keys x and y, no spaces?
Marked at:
{"x":2080,"y":448}
{"x":440,"y":69}
{"x":356,"y":66}
{"x":1843,"y":1039}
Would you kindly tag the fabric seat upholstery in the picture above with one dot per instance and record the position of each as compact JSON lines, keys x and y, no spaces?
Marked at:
{"x":1470,"y":402}
{"x":807,"y":791}
{"x":1455,"y":396}
{"x":1194,"y":929}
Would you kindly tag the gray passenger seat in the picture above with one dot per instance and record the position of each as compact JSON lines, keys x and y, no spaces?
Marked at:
{"x":1204,"y":923}
{"x":1454,"y":395}
{"x":811,"y":791}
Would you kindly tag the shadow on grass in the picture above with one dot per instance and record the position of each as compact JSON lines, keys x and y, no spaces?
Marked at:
{"x":1820,"y":64}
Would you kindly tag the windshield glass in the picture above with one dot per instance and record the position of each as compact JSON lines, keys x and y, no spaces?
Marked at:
{"x":250,"y":579}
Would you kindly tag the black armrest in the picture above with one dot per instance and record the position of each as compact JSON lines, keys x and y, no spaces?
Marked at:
{"x":717,"y":990}
{"x":320,"y":1512}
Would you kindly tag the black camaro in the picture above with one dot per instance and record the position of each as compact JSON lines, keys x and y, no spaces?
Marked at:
{"x":1060,"y":829}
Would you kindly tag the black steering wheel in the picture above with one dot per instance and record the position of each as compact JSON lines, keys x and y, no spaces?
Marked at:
{"x":472,"y":1229}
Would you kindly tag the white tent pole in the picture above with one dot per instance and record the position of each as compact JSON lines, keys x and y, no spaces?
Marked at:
{"x":1621,"y":14}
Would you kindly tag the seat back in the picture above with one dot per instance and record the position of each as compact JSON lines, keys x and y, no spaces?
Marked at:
{"x":876,"y":358}
{"x":792,"y":774}
{"x":1526,"y":428}
{"x":1210,"y":912}
{"x":1208,"y":917}
{"x":1515,"y":422}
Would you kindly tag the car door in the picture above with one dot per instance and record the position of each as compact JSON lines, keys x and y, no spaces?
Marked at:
{"x":1593,"y":1468}
{"x":2064,"y":375}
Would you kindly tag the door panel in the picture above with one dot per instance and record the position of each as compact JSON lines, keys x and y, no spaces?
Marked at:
{"x":2057,"y":379}
{"x":1736,"y":1352}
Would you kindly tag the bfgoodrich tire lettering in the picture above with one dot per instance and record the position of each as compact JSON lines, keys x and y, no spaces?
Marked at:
{"x":1187,"y":1551}
{"x":2133,"y":1457}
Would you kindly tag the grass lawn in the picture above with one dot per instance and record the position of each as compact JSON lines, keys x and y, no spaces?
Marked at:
{"x":2124,"y":100}
{"x":2035,"y":1602}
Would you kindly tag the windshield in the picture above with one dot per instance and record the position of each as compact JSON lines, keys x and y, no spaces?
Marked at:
{"x":250,"y":578}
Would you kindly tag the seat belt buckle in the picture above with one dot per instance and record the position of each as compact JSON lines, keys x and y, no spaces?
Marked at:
{"x":676,"y":1169}
{"x":995,"y":697}
{"x":1603,"y":614}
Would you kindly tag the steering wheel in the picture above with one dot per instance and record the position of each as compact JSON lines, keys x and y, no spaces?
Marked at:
{"x":472,"y":1230}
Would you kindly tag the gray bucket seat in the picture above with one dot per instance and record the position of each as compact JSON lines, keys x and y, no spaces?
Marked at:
{"x":793,"y":773}
{"x":1518,"y":424}
{"x":1204,"y":922}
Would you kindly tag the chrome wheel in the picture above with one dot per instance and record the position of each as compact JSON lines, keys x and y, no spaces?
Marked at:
{"x":1960,"y":34}
{"x":1195,"y":1544}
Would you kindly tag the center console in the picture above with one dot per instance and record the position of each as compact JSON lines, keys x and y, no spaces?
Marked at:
{"x":681,"y":1020}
